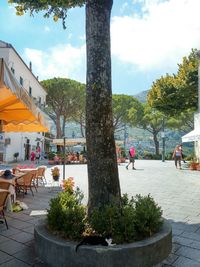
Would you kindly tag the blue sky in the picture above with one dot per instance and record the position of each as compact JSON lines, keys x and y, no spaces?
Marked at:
{"x":149,"y":38}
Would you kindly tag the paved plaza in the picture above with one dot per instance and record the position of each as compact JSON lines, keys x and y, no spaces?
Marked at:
{"x":176,"y":191}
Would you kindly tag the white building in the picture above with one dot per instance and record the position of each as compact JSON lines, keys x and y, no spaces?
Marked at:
{"x":23,"y":143}
{"x":194,"y":136}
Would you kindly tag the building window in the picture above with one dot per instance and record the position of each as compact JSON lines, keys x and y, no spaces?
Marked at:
{"x":13,"y":70}
{"x":39,"y":100}
{"x":30,"y":91}
{"x":21,"y":81}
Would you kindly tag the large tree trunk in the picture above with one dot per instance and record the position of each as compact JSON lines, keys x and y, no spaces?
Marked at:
{"x":104,"y":187}
{"x":156,"y":142}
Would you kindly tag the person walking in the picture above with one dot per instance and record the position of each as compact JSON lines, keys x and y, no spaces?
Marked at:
{"x":131,"y":158}
{"x":177,"y":156}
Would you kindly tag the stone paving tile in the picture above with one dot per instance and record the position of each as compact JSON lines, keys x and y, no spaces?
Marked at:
{"x":15,"y":263}
{"x":9,"y":232}
{"x":171,"y":259}
{"x":177,"y":231}
{"x":26,"y":255}
{"x":185,"y":262}
{"x":29,"y":229}
{"x":23,"y":237}
{"x":190,"y":253}
{"x":18,"y":224}
{"x":12,"y":247}
{"x":4,"y":257}
{"x":193,"y":236}
{"x":3,"y":239}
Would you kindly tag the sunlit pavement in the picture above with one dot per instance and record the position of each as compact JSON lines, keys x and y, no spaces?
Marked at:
{"x":176,"y":191}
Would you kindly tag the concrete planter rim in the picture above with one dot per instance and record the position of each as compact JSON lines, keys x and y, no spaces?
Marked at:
{"x":161,"y":241}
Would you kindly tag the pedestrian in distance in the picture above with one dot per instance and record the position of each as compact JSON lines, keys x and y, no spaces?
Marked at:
{"x":177,"y":156}
{"x":32,"y":156}
{"x":131,"y":158}
{"x":181,"y":148}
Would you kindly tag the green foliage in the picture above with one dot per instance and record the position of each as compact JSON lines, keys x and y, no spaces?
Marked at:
{"x":136,"y":219}
{"x":51,"y":155}
{"x":16,"y":155}
{"x":66,"y":214}
{"x":148,"y":216}
{"x":121,"y":105}
{"x":148,"y":155}
{"x":173,"y":94}
{"x":64,"y":99}
{"x":56,"y":9}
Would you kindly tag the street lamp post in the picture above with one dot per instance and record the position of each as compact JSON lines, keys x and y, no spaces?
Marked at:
{"x":125,"y":137}
{"x":163,"y":140}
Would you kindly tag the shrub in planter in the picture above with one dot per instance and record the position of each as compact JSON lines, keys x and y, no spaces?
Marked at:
{"x":138,"y":218}
{"x":148,"y":216}
{"x":66,"y":215}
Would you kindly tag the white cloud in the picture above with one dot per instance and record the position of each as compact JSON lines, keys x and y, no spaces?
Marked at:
{"x":166,"y":31}
{"x":59,"y":61}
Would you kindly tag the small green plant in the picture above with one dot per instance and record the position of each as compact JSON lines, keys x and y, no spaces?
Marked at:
{"x":16,"y":155}
{"x":148,"y":216}
{"x":136,"y":219}
{"x":51,"y":155}
{"x":66,"y":214}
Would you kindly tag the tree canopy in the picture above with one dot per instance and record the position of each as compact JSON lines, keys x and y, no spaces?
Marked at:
{"x":57,"y":9}
{"x":148,"y":119}
{"x":122,"y":104}
{"x":63,"y":100}
{"x":173,"y":94}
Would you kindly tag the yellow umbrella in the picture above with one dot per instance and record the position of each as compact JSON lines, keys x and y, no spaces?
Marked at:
{"x":18,"y":113}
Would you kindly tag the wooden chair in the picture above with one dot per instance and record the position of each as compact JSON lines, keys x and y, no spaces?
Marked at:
{"x":7,"y":186}
{"x":4,"y":185}
{"x":3,"y":197}
{"x":41,"y":174}
{"x":26,"y":182}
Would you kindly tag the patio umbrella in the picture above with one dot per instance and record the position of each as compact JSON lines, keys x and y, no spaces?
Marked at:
{"x":18,"y":113}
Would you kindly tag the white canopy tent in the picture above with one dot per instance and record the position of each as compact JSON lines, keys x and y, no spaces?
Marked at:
{"x":192,"y":136}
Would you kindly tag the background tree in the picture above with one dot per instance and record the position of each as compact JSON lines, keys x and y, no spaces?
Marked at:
{"x":62,"y":99}
{"x":148,"y":119}
{"x":79,"y":115}
{"x":183,"y":122}
{"x":104,"y":187}
{"x":177,"y":93}
{"x":121,"y":106}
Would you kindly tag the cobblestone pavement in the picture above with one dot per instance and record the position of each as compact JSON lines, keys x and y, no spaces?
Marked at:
{"x":176,"y":191}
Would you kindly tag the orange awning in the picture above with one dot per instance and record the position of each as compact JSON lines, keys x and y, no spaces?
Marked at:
{"x":18,"y":113}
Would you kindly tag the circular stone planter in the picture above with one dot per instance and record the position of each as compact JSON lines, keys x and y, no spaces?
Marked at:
{"x":61,"y":253}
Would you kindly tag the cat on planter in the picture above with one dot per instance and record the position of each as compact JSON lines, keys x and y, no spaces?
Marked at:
{"x":95,"y":241}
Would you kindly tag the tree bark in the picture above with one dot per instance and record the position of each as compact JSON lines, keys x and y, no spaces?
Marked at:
{"x":156,"y":142}
{"x":103,"y":180}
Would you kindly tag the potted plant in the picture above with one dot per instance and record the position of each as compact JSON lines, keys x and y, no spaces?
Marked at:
{"x":16,"y":155}
{"x":55,"y":172}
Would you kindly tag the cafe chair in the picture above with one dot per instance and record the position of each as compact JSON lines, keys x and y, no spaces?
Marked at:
{"x":26,"y":182}
{"x":4,"y":185}
{"x":3,"y":198}
{"x":41,"y":174}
